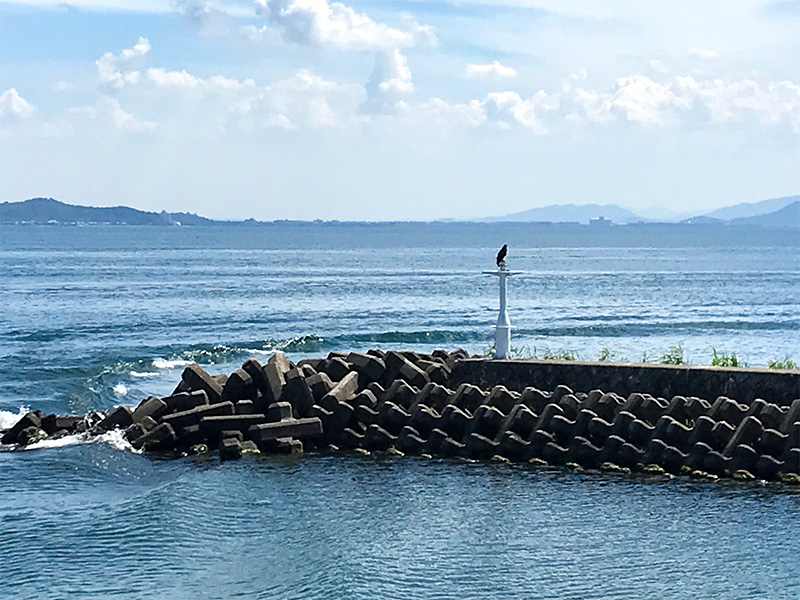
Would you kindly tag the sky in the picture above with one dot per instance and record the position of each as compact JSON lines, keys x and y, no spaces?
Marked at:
{"x":399,"y":109}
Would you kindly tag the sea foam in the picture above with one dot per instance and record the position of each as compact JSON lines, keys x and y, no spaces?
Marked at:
{"x":163,"y":363}
{"x":114,"y":438}
{"x":9,"y":418}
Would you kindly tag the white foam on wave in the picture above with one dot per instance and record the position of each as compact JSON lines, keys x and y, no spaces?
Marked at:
{"x":8,"y":418}
{"x":145,"y":374}
{"x":114,"y":438}
{"x":120,"y":389}
{"x":67,"y":440}
{"x":163,"y":363}
{"x":258,"y":351}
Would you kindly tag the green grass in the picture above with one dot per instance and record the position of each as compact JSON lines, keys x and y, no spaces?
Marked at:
{"x":673,"y":356}
{"x":723,"y":359}
{"x":606,"y":355}
{"x":560,"y":354}
{"x":786,"y":363}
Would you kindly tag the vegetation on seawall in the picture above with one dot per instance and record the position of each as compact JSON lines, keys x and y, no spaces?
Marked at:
{"x":674,"y":355}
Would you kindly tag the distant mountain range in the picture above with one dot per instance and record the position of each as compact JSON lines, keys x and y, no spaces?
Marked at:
{"x":776,"y":212}
{"x":575,"y":213}
{"x":752,"y":209}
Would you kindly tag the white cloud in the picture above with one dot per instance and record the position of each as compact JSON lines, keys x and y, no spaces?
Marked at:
{"x":642,"y":100}
{"x":503,"y":108}
{"x":161,"y":78}
{"x":308,"y":100}
{"x":322,"y":23}
{"x":702,"y":53}
{"x":14,"y":107}
{"x":301,"y":100}
{"x":109,"y":109}
{"x":205,"y":16}
{"x":111,"y":67}
{"x":470,"y":114}
{"x":111,"y":72}
{"x":491,"y":70}
{"x":389,"y":83}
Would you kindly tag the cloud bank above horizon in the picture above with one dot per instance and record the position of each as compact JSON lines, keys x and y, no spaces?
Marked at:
{"x":321,"y":109}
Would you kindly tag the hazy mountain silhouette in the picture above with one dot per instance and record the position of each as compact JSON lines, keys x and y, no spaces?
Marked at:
{"x":751,"y":209}
{"x":559,"y":213}
{"x":788,"y":216}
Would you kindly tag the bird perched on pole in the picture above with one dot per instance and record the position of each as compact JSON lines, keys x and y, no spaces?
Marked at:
{"x":501,"y":256}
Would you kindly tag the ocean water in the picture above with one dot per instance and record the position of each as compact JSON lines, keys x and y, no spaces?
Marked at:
{"x":95,"y":316}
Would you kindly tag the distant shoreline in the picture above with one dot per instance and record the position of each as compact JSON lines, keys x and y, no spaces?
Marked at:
{"x":478,"y":224}
{"x":48,"y":211}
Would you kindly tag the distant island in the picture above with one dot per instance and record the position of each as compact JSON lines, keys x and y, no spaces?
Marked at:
{"x":772,"y":213}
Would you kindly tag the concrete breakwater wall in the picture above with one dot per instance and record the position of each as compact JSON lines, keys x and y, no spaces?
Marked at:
{"x":445,"y":404}
{"x":741,"y":384}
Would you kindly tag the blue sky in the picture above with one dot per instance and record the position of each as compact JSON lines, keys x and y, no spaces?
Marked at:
{"x":405,"y":109}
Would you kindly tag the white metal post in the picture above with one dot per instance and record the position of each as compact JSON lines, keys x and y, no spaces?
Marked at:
{"x":502,"y":333}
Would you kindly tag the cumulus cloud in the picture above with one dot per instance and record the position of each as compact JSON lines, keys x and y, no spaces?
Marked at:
{"x":308,"y":100}
{"x":389,"y":84}
{"x":161,"y":78}
{"x":637,"y":99}
{"x":702,"y":53}
{"x":683,"y":100}
{"x":111,"y":70}
{"x":204,"y":16}
{"x":115,"y":70}
{"x":301,"y":100}
{"x":14,"y":107}
{"x":493,"y":70}
{"x":333,"y":24}
{"x":504,"y":108}
{"x":109,"y":109}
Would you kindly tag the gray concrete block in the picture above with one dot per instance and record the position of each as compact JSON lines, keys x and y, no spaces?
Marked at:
{"x":296,"y":428}
{"x":119,"y":418}
{"x":185,"y":401}
{"x":160,"y":438}
{"x":151,"y":407}
{"x":320,"y":385}
{"x":230,"y":449}
{"x":279,"y":411}
{"x":239,"y":386}
{"x":346,"y":389}
{"x":193,"y":416}
{"x":198,"y":379}
{"x":275,"y":372}
{"x":370,"y":367}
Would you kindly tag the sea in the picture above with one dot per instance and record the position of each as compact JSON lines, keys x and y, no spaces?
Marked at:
{"x":95,"y":316}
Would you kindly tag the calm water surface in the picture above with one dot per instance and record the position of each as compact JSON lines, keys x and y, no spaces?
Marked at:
{"x":96,"y":316}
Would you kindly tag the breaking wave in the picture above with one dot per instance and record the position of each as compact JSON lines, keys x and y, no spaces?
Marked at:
{"x":9,"y":418}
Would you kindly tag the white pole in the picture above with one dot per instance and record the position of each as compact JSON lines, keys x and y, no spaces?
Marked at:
{"x":502,"y":333}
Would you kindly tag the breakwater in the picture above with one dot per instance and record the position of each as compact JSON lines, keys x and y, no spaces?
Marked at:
{"x":702,"y":422}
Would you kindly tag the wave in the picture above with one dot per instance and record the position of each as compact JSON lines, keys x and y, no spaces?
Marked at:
{"x":115,"y":439}
{"x":9,"y":418}
{"x":166,"y":364}
{"x":104,"y":380}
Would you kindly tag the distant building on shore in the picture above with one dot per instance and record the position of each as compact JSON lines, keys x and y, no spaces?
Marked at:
{"x":601,"y":222}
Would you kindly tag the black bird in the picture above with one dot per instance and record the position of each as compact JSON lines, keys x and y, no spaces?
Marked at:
{"x":501,"y":256}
